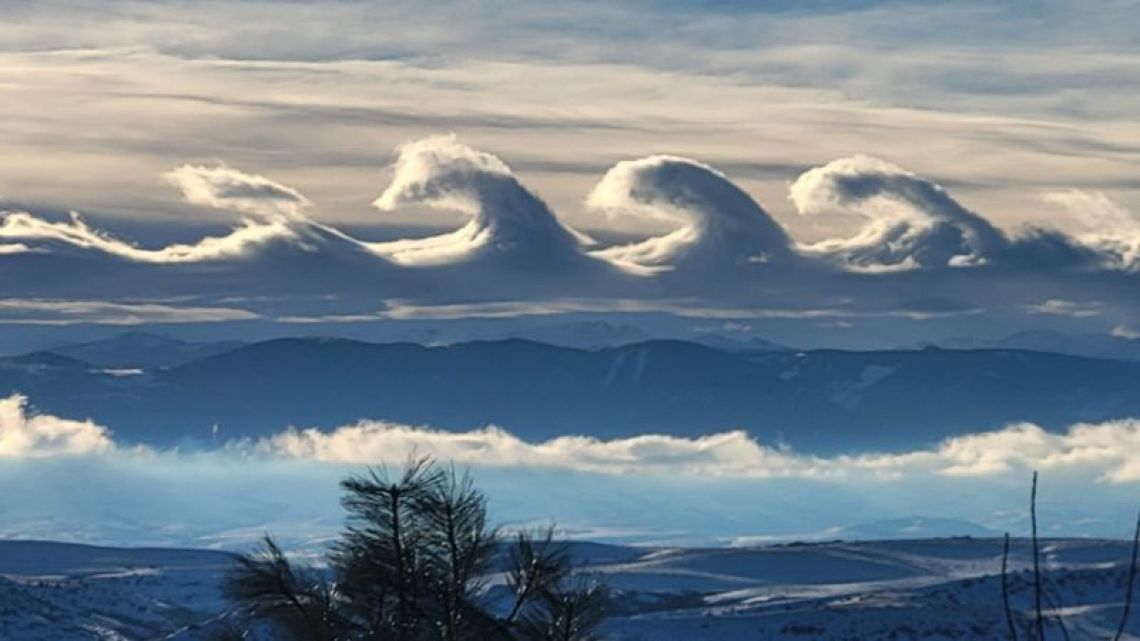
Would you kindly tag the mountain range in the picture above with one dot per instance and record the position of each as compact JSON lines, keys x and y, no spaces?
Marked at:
{"x":819,"y":400}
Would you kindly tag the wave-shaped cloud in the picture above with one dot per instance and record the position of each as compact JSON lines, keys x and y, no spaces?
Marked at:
{"x":272,"y":213}
{"x":25,"y":434}
{"x":727,"y":251}
{"x":720,"y":223}
{"x":506,"y":218}
{"x":222,"y":187}
{"x":39,"y":235}
{"x":1107,"y":227}
{"x":911,"y":222}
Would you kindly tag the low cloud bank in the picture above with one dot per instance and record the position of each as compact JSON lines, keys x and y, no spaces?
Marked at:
{"x":1108,"y":452}
{"x":26,"y":434}
{"x":76,"y":483}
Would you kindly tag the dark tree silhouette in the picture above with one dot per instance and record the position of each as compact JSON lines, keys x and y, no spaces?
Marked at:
{"x":411,"y":566}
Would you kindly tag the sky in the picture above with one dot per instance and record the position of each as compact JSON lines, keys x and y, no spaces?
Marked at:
{"x":835,"y":168}
{"x":860,"y":174}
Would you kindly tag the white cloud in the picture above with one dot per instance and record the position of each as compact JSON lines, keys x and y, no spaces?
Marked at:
{"x":75,"y":233}
{"x":1108,"y":451}
{"x":225,"y":188}
{"x":682,"y":307}
{"x":440,"y":172}
{"x":910,"y":222}
{"x":22,"y":311}
{"x":720,"y":223}
{"x":1125,"y":332}
{"x":25,"y":434}
{"x":1103,"y":224}
{"x":272,"y":212}
{"x":1074,"y":309}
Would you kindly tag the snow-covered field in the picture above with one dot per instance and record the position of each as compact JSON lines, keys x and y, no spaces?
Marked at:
{"x":893,"y":590}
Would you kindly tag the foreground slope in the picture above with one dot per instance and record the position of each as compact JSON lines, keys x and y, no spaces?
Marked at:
{"x":937,"y":589}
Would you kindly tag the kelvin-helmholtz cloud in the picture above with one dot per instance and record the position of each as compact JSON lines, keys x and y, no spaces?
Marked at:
{"x":720,"y":225}
{"x":507,"y":220}
{"x":726,"y":252}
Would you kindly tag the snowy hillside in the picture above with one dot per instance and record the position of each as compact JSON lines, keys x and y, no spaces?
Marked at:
{"x":921,"y":589}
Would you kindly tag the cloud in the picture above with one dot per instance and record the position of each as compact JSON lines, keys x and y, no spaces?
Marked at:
{"x":911,"y":223}
{"x":681,"y":307}
{"x":1109,"y":451}
{"x":506,"y":218}
{"x":720,"y":223}
{"x":25,"y":434}
{"x":1073,"y":309}
{"x":72,"y":312}
{"x":1104,"y":225}
{"x":224,"y":188}
{"x":726,"y":259}
{"x":287,"y":483}
{"x":271,"y":213}
{"x":40,"y":235}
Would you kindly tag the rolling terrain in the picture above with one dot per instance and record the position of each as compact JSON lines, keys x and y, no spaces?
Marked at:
{"x":938,"y":589}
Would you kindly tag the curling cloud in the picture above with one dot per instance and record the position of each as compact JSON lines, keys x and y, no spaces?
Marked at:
{"x":224,"y":188}
{"x":39,"y":235}
{"x":442,"y":173}
{"x":720,"y":223}
{"x":1110,"y":451}
{"x":271,"y":213}
{"x":24,"y":434}
{"x":911,"y":223}
{"x":1106,"y":226}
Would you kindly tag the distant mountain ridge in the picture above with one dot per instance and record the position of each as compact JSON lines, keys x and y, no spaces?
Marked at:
{"x":1090,"y":345}
{"x":819,"y":400}
{"x":141,"y":350}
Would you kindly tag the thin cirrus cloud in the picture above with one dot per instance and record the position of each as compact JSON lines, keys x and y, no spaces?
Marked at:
{"x":71,"y":312}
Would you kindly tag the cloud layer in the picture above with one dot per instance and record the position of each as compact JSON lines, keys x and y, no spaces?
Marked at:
{"x":26,"y":434}
{"x":1107,"y":452}
{"x":75,"y":479}
{"x":917,"y":253}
